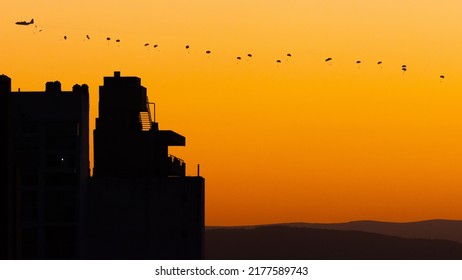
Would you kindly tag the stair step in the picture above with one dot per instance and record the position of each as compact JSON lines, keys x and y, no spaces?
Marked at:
{"x":145,"y":121}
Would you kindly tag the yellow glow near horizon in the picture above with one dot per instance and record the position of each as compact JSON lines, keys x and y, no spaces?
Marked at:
{"x":303,"y":140}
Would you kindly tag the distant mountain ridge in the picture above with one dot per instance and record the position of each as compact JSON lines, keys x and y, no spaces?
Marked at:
{"x":298,"y":241}
{"x":429,"y":229}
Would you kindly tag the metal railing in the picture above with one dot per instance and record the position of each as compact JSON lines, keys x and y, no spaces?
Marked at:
{"x":177,"y":166}
{"x":146,"y":119}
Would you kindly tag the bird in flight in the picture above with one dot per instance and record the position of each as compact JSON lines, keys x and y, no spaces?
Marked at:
{"x":25,"y":22}
{"x":328,"y":59}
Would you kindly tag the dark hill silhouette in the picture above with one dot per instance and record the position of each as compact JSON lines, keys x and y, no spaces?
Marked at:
{"x":431,"y":229}
{"x":289,"y":242}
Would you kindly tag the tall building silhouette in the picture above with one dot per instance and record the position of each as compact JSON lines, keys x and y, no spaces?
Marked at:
{"x":44,"y":171}
{"x":140,"y":198}
{"x":138,"y":205}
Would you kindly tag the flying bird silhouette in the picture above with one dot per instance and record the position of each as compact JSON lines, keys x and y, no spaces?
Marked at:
{"x":88,"y":37}
{"x":239,"y":58}
{"x":208,"y":52}
{"x":289,"y":55}
{"x":65,"y":37}
{"x":155,"y":46}
{"x":278,"y":61}
{"x":442,"y":77}
{"x":147,"y":44}
{"x":328,"y":59}
{"x":108,"y":38}
{"x":358,"y":62}
{"x":117,"y":41}
{"x":249,"y":55}
{"x":380,"y":62}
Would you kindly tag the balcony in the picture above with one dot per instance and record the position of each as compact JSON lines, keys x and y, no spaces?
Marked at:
{"x":176,"y":166}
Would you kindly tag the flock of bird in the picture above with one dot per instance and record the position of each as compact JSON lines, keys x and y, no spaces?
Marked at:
{"x":208,"y":52}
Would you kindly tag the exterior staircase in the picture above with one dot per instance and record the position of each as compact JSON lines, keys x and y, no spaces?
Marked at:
{"x":145,"y":120}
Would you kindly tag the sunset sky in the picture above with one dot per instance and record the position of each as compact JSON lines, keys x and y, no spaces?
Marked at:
{"x":298,"y":141}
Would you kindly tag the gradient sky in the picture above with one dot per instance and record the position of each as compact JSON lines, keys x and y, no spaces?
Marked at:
{"x":302,"y":140}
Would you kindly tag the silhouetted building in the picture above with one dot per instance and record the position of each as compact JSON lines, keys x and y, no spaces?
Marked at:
{"x":44,"y":171}
{"x":141,"y":204}
{"x":138,"y":205}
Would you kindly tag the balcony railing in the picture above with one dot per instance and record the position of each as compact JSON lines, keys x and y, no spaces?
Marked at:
{"x":176,"y":166}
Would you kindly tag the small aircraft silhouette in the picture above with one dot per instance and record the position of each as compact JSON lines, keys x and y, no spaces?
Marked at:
{"x":25,"y":22}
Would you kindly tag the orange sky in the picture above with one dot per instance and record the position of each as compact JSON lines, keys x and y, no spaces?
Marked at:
{"x":302,"y":140}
